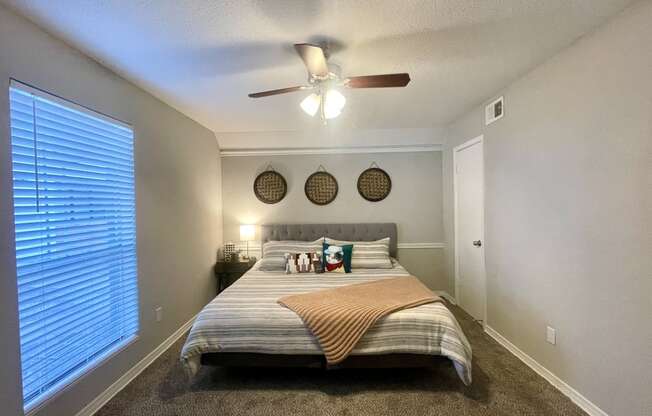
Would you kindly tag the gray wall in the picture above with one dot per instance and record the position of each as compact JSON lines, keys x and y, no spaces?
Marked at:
{"x":569,"y":213}
{"x":414,"y":203}
{"x":177,"y":201}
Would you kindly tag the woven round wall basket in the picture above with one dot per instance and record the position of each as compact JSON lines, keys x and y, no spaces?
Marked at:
{"x":321,"y":187}
{"x":270,"y":187}
{"x":374,"y":184}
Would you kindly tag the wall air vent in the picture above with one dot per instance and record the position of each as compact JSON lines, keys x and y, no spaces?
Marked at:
{"x":494,"y":110}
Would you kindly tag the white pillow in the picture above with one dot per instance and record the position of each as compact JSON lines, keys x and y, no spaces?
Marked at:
{"x":368,"y":254}
{"x":279,"y":248}
{"x":272,"y":264}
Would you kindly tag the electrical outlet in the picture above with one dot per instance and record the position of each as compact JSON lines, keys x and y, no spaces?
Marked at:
{"x":159,"y":314}
{"x":551,"y":335}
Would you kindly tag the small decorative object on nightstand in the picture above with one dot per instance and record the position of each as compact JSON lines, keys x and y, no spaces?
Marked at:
{"x":229,"y":251}
{"x":227,"y":272}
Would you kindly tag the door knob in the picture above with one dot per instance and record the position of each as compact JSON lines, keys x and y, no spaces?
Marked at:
{"x":477,"y":243}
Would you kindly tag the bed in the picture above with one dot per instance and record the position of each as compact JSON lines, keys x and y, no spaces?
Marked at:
{"x":245,"y":326}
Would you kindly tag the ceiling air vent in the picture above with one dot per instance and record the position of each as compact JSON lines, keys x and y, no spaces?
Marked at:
{"x":494,"y":110}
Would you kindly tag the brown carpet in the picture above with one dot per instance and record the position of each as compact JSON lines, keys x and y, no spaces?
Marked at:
{"x":502,"y":385}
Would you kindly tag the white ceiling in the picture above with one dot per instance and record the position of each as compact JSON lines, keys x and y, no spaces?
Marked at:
{"x":204,"y":56}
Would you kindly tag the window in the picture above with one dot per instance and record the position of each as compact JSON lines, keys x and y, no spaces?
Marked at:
{"x":74,"y":213}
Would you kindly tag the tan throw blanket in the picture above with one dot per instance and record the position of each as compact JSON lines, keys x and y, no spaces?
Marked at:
{"x":339,"y":317}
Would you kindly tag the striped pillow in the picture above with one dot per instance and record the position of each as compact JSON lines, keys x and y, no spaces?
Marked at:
{"x":279,"y":248}
{"x":368,"y":254}
{"x":273,"y":264}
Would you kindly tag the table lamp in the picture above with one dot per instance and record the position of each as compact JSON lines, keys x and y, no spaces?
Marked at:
{"x":247,"y":233}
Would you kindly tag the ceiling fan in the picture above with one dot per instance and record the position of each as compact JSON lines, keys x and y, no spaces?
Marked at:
{"x":325,"y":78}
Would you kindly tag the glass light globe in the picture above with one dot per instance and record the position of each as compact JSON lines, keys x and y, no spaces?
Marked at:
{"x":310,"y":104}
{"x":335,"y":98}
{"x":332,"y":113}
{"x":333,"y":103}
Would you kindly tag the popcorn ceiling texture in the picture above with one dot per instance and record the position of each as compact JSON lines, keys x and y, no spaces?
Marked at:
{"x":204,"y":56}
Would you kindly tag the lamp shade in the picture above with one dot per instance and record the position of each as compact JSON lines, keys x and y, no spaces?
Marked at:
{"x":247,"y":232}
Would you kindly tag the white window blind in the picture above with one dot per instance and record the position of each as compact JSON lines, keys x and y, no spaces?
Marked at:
{"x":73,"y":185}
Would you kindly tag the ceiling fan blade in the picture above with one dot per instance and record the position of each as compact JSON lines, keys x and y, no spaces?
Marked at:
{"x":378,"y":81}
{"x":279,"y":91}
{"x":314,"y":59}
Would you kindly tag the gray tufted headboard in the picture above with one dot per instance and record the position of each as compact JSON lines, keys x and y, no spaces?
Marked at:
{"x":348,"y":232}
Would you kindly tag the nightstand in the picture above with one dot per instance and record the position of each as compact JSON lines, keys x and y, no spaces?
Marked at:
{"x":227,"y":272}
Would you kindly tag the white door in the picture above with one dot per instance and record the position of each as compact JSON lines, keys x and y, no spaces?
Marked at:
{"x":469,"y":227}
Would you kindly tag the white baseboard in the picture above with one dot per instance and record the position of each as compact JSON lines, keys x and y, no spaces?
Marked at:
{"x":133,"y":372}
{"x":446,"y":296}
{"x":577,"y":398}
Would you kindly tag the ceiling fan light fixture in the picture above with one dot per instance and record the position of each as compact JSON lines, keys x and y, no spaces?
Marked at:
{"x":335,"y":99}
{"x":310,"y":104}
{"x":334,"y":102}
{"x":325,"y":77}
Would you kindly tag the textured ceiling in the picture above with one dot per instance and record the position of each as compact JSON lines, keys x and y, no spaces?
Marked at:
{"x":204,"y":56}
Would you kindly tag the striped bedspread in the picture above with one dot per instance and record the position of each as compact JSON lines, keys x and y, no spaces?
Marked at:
{"x":247,"y":318}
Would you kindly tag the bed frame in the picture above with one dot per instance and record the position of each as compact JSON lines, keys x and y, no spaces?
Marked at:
{"x":236,"y":359}
{"x":311,"y":232}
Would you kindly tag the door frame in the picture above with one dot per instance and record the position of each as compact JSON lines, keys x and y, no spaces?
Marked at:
{"x":456,"y":149}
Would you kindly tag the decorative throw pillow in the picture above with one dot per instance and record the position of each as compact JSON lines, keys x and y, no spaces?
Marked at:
{"x":337,"y":258}
{"x":303,"y":262}
{"x":368,"y":254}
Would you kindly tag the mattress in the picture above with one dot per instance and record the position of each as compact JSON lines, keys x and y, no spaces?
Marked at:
{"x":246,"y":318}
